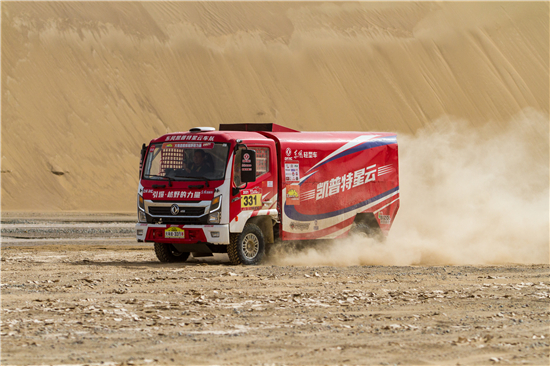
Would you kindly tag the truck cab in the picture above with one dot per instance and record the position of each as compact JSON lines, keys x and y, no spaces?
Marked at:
{"x":195,"y":197}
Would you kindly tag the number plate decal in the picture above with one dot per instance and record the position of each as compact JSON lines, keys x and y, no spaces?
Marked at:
{"x":251,"y":200}
{"x":174,"y":232}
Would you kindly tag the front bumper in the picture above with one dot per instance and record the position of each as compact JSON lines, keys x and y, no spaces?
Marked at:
{"x":154,"y":233}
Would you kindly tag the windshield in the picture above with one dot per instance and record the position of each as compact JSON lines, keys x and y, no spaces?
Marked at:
{"x":186,"y":161}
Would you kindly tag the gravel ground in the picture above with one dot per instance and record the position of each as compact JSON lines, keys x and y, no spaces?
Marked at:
{"x":81,"y":227}
{"x":115,"y":304}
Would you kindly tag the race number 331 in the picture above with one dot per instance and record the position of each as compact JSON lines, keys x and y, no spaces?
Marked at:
{"x":251,"y":200}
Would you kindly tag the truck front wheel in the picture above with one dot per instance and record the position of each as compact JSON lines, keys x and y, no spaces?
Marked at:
{"x":166,"y":253}
{"x":247,"y":247}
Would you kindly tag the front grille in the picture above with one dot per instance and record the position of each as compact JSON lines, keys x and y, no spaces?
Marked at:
{"x":178,"y":220}
{"x":175,"y":220}
{"x":184,"y":211}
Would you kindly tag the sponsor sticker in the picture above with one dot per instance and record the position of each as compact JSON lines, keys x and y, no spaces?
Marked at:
{"x":346,"y":182}
{"x":191,"y":137}
{"x":292,"y":172}
{"x":293,"y":194}
{"x":294,"y":225}
{"x":384,"y":219}
{"x":301,"y":154}
{"x":188,"y":145}
{"x":178,"y":194}
{"x":246,"y":164}
{"x":174,"y":232}
{"x":251,"y":199}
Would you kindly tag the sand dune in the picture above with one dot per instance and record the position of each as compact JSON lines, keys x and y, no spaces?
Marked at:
{"x":85,"y":83}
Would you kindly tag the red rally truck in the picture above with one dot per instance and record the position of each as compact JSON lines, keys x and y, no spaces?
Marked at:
{"x":239,"y":189}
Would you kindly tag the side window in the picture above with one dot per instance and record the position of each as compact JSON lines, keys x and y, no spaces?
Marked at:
{"x":262,"y":160}
{"x":262,"y":164}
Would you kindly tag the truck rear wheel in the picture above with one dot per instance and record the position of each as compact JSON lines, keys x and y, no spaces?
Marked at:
{"x":166,"y":253}
{"x":247,"y":247}
{"x":367,"y":225}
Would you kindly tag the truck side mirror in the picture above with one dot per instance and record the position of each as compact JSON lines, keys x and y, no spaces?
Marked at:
{"x":248,"y":166}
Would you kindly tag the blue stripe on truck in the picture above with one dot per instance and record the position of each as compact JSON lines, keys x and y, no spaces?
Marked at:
{"x":291,"y":212}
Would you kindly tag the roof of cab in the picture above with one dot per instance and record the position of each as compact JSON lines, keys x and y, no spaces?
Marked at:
{"x":219,"y":136}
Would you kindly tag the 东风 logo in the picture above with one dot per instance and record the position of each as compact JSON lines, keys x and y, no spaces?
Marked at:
{"x":175,"y":209}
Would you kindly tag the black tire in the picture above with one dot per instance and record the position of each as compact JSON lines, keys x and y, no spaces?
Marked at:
{"x":247,"y":247}
{"x":166,"y":253}
{"x":371,"y":231}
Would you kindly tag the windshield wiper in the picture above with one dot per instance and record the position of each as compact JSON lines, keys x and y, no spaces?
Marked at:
{"x":170,"y":179}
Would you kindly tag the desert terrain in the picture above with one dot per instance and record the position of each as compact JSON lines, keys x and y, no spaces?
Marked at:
{"x":90,"y":296}
{"x":463,"y":277}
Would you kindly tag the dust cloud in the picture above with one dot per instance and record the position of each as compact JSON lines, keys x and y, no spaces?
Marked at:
{"x":468,"y":196}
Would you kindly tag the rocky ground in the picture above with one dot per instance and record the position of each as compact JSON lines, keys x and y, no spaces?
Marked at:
{"x":107,"y":300}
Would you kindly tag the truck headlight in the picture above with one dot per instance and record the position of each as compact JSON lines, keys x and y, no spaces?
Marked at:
{"x":141,"y":216}
{"x":214,"y":218}
{"x":216,"y":203}
{"x":214,"y":212}
{"x":141,"y":209}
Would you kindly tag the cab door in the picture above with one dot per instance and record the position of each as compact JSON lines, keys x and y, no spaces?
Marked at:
{"x":255,"y":197}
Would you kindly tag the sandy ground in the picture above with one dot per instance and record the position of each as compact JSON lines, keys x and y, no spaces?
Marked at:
{"x":84,"y":84}
{"x":108,"y":300}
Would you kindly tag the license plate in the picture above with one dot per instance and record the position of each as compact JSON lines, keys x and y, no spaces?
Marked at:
{"x":174,"y":232}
